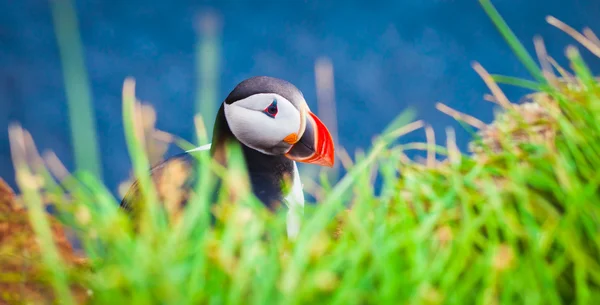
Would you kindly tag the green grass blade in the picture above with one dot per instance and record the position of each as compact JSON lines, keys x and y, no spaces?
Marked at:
{"x":79,"y":98}
{"x":207,"y":67}
{"x":141,"y":165}
{"x":513,"y":41}
{"x":518,"y":82}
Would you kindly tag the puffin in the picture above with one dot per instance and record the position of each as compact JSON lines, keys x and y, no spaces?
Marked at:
{"x":271,"y":121}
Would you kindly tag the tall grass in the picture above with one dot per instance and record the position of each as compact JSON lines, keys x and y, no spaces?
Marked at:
{"x":514,"y":222}
{"x":207,"y":66}
{"x":79,"y":99}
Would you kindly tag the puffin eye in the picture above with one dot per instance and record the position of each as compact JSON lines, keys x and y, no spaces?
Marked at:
{"x":271,"y":110}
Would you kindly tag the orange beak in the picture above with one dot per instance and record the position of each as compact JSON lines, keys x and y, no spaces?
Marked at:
{"x":315,"y":146}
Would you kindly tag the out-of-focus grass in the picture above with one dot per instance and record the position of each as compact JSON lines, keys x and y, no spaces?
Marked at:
{"x":207,"y":66}
{"x":79,"y":98}
{"x":514,"y":222}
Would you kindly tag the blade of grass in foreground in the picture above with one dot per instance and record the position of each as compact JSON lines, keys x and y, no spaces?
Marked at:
{"x":197,"y":212}
{"x":81,"y":114}
{"x":197,"y":216}
{"x":207,"y":66}
{"x":580,"y":68}
{"x":517,"y":82}
{"x":140,"y":161}
{"x":513,"y":41}
{"x":29,"y":185}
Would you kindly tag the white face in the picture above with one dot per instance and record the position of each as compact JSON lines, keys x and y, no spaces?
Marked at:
{"x":262,"y":122}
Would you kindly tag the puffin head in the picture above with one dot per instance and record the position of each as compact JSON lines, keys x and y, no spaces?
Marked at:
{"x":271,"y":116}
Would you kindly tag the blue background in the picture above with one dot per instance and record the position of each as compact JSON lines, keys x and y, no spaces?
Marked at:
{"x":387,"y":56}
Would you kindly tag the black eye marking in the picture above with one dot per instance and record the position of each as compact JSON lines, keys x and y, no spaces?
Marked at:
{"x":272,"y":109}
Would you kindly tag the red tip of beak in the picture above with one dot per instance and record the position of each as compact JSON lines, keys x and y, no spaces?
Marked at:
{"x":324,"y":150}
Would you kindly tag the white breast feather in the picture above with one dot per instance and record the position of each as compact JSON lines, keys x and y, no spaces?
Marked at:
{"x":295,"y":203}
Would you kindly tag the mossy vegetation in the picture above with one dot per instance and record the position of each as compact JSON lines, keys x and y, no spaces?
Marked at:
{"x":514,"y":221}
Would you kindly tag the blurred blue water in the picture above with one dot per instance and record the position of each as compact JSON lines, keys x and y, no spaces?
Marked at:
{"x":387,"y":56}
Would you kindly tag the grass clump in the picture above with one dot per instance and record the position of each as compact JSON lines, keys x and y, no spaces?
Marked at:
{"x":514,"y":222}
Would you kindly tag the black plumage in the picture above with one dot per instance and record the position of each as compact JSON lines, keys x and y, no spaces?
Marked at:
{"x":266,"y":172}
